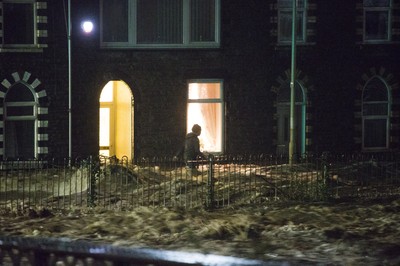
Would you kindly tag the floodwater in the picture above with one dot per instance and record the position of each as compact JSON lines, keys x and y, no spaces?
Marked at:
{"x":349,"y":233}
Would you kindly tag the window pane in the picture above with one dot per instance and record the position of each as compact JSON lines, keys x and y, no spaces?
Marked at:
{"x":159,"y":21}
{"x":209,"y":117}
{"x":289,"y":3}
{"x":285,"y":26}
{"x":376,"y":25}
{"x":19,"y":139}
{"x":104,"y":139}
{"x":204,"y":91}
{"x":375,"y":91}
{"x":115,"y":20}
{"x":19,"y":111}
{"x":19,"y":93}
{"x":375,"y":109}
{"x":377,"y":3}
{"x":18,"y":23}
{"x":107,"y":94}
{"x":375,"y":133}
{"x":202,"y":20}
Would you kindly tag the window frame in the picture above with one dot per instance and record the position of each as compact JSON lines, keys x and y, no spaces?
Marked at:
{"x":366,"y":117}
{"x":186,"y":43}
{"x":34,"y":44}
{"x":303,"y":11}
{"x":34,"y":117}
{"x":388,"y":10}
{"x":283,"y":109}
{"x":219,"y":100}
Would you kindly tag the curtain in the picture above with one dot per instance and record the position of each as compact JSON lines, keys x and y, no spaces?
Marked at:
{"x":202,"y":20}
{"x":159,"y":21}
{"x":115,"y":20}
{"x":207,"y":114}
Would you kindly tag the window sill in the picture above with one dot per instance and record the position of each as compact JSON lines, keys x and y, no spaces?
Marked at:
{"x":159,"y":47}
{"x":288,"y":45}
{"x":372,"y":150}
{"x":377,"y":43}
{"x":21,"y":50}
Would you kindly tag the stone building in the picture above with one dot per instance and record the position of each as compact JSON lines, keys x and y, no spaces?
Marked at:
{"x":152,"y":68}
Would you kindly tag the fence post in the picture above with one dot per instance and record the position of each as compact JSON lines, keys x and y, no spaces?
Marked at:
{"x":210,"y":182}
{"x":92,"y":183}
{"x":325,"y":175}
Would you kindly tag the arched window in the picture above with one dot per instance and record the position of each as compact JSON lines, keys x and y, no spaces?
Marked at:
{"x":20,"y":122}
{"x":375,"y":115}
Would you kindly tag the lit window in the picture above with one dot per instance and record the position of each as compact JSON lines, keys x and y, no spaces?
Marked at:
{"x":106,"y":119}
{"x":375,"y":115}
{"x":19,"y":23}
{"x":377,"y":18}
{"x":285,"y":20}
{"x":206,"y":108}
{"x":107,"y":94}
{"x":160,"y":23}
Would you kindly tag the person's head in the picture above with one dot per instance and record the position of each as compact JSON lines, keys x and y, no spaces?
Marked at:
{"x":196,"y":129}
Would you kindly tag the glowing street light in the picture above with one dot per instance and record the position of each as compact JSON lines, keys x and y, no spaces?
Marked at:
{"x":87,"y":27}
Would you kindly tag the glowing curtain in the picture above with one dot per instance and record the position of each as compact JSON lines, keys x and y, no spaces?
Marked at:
{"x":207,"y":112}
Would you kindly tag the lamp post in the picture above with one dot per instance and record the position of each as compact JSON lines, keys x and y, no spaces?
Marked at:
{"x":87,"y":27}
{"x":292,"y":141}
{"x":69,"y":83}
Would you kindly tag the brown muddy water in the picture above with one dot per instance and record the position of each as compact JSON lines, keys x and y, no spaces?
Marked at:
{"x":351,"y":233}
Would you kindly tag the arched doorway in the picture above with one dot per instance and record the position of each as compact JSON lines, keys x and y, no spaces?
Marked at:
{"x":116,"y":120}
{"x":376,"y":108}
{"x":283,"y":119}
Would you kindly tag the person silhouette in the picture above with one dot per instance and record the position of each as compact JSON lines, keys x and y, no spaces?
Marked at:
{"x":191,"y":148}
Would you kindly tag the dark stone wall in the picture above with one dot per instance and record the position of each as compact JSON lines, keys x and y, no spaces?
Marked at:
{"x":158,"y":81}
{"x":248,"y":61}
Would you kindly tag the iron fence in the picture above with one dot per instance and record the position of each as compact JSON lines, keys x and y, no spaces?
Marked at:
{"x":215,"y":182}
{"x":26,"y":251}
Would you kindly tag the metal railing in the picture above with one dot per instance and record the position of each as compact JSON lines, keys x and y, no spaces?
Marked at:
{"x":26,"y":251}
{"x":214,"y":183}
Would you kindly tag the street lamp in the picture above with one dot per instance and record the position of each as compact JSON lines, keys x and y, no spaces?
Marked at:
{"x":87,"y":27}
{"x":69,"y":83}
{"x":292,"y":141}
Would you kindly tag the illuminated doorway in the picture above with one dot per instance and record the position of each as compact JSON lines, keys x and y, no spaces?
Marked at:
{"x":116,"y":120}
{"x":206,"y":108}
